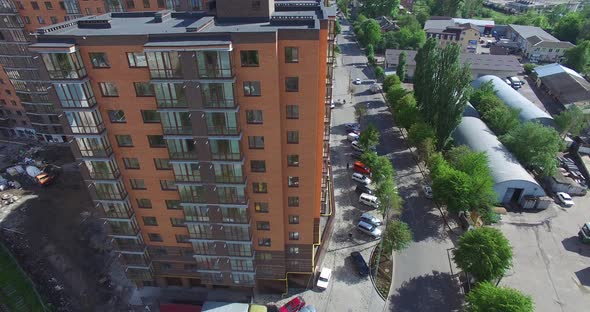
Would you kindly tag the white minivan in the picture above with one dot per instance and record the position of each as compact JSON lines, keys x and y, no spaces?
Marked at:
{"x":357,"y":177}
{"x":369,"y":200}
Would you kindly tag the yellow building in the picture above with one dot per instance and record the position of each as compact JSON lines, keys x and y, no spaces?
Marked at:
{"x":466,"y":35}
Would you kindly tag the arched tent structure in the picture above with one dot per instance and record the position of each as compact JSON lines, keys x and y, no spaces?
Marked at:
{"x":511,"y":181}
{"x":528,"y":110}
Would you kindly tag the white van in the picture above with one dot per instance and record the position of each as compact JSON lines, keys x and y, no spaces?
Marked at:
{"x":515,"y":82}
{"x":369,"y":200}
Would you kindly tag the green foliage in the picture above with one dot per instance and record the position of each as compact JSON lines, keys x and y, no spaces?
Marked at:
{"x":388,"y":197}
{"x":397,"y":237}
{"x":371,"y":33}
{"x":379,"y":72}
{"x":338,"y":27}
{"x":419,"y":132}
{"x":369,"y":137}
{"x":343,"y":6}
{"x":376,"y":8}
{"x":390,"y":81}
{"x":571,"y":120}
{"x":502,"y":119}
{"x":568,"y":27}
{"x":409,"y":36}
{"x":442,"y":88}
{"x":528,"y":68}
{"x":487,"y":297}
{"x":445,"y":7}
{"x":370,"y":50}
{"x":484,"y":253}
{"x":24,"y":297}
{"x":426,"y":149}
{"x":578,"y":58}
{"x":406,"y":112}
{"x":359,"y":112}
{"x":535,"y":146}
{"x":450,"y":187}
{"x":485,"y":89}
{"x":369,"y":158}
{"x":401,"y":66}
{"x":383,"y":170}
{"x":394,"y":95}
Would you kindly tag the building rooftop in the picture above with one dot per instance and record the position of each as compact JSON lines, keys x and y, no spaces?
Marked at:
{"x":475,"y":61}
{"x":441,"y":22}
{"x":566,"y":84}
{"x":530,"y":31}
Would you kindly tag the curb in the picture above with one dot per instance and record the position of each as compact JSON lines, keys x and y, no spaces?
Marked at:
{"x":373,"y":280}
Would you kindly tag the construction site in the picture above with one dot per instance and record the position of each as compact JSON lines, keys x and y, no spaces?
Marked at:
{"x":48,"y":224}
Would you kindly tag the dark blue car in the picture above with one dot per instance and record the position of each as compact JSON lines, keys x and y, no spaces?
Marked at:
{"x":360,"y":264}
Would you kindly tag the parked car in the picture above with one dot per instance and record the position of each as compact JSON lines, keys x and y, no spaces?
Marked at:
{"x":359,"y":262}
{"x":565,"y":199}
{"x":371,"y":219}
{"x":360,"y":189}
{"x":357,"y":177}
{"x":351,"y":137}
{"x":358,"y":81}
{"x":427,"y":191}
{"x":356,"y":154}
{"x":584,"y":233}
{"x":324,"y":278}
{"x":375,"y":88}
{"x":308,"y":308}
{"x":361,"y":168}
{"x":369,"y":200}
{"x":294,"y":305}
{"x":369,"y":229}
{"x":352,"y":126}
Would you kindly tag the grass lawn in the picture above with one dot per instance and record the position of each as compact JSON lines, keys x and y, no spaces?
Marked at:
{"x":16,"y":293}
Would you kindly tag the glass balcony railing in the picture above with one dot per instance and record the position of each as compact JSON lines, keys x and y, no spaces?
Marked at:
{"x":178,"y":130}
{"x":113,"y":174}
{"x":226,"y":156}
{"x":122,"y":228}
{"x":223,"y":130}
{"x":129,"y":245}
{"x":230,"y":179}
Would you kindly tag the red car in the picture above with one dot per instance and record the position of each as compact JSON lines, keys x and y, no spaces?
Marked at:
{"x":294,"y":305}
{"x":361,"y":168}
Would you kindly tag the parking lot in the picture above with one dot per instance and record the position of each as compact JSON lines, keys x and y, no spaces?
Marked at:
{"x":550,"y":262}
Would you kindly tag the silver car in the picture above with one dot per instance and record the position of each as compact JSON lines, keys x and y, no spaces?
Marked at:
{"x":369,"y":229}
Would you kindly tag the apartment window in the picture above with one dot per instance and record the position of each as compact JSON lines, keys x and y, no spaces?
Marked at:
{"x":293,"y":181}
{"x":254,"y":116}
{"x":99,"y":10}
{"x":124,"y":140}
{"x":256,"y":4}
{"x":256,"y":142}
{"x":155,"y":237}
{"x":293,"y":160}
{"x":146,"y":4}
{"x":173,"y":204}
{"x":550,"y":50}
{"x":294,"y":250}
{"x":293,"y":201}
{"x":108,"y":89}
{"x":161,"y":4}
{"x":168,"y":185}
{"x":144,"y":203}
{"x":27,"y":19}
{"x":292,"y":111}
{"x":136,"y":59}
{"x":35,"y":5}
{"x":88,"y":11}
{"x":150,"y":221}
{"x":156,"y":140}
{"x":261,"y":207}
{"x":263,"y":241}
{"x":182,"y":238}
{"x":291,"y":55}
{"x":150,"y":116}
{"x":40,"y":20}
{"x":258,"y":165}
{"x":293,"y":219}
{"x":53,"y":20}
{"x":117,"y":116}
{"x":99,"y":60}
{"x":162,"y":164}
{"x":143,"y":89}
{"x":164,"y":64}
{"x":130,"y":4}
{"x":259,"y":187}
{"x":137,"y":184}
{"x":293,"y":235}
{"x":263,"y":225}
{"x":62,"y":5}
{"x":292,"y":84}
{"x":130,"y":163}
{"x":20,"y":5}
{"x":292,"y":137}
{"x":251,"y":88}
{"x":249,"y":58}
{"x":177,"y":222}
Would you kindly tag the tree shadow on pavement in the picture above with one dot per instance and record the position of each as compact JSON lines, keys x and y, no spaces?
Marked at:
{"x":433,"y":292}
{"x":584,"y":276}
{"x":574,"y":244}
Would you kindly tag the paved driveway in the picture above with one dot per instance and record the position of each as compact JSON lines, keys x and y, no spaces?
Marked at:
{"x":550,"y":263}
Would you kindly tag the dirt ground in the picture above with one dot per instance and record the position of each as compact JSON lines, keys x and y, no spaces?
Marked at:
{"x":57,"y":240}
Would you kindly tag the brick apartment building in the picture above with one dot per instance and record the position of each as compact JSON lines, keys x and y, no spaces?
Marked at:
{"x":203,"y":136}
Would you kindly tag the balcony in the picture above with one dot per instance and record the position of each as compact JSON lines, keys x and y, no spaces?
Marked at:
{"x":178,"y":130}
{"x":136,"y":260}
{"x":227,"y":156}
{"x":112,"y":174}
{"x":175,"y":270}
{"x":219,"y":103}
{"x":230,"y":179}
{"x":223,"y":131}
{"x":231,"y":200}
{"x":129,"y":245}
{"x":136,"y":274}
{"x":81,"y":130}
{"x":115,"y":210}
{"x":122,"y":228}
{"x":110,"y":194}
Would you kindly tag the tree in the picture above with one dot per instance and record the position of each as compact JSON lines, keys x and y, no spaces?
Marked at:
{"x":383,"y":170}
{"x":338,"y":27}
{"x":484,"y":253}
{"x":406,"y":112}
{"x":578,"y":57}
{"x":571,"y":120}
{"x":394,"y":95}
{"x":397,"y":237}
{"x":568,"y":27}
{"x":502,"y":119}
{"x":535,"y":146}
{"x":369,"y":137}
{"x":388,"y":197}
{"x":407,"y":38}
{"x":487,"y":297}
{"x":377,"y":8}
{"x":371,"y":32}
{"x":419,"y":132}
{"x":528,"y":68}
{"x":359,"y":112}
{"x":450,"y":187}
{"x":390,"y":81}
{"x":401,"y":66}
{"x":379,"y":72}
{"x":369,"y":159}
{"x":441,"y":88}
{"x":370,"y":50}
{"x":484,"y":90}
{"x":426,"y":149}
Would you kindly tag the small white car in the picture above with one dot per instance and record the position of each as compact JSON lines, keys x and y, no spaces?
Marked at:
{"x":356,"y":146}
{"x":357,"y":177}
{"x":351,"y":137}
{"x":565,"y":199}
{"x":358,"y":81}
{"x":324,"y":278}
{"x":427,"y":191}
